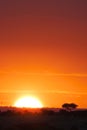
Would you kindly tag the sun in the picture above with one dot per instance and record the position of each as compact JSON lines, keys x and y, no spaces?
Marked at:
{"x":28,"y":102}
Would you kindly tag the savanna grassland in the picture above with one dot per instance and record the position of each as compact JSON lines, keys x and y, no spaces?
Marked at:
{"x":44,"y":120}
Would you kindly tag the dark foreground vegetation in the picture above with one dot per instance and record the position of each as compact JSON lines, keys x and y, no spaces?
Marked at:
{"x":44,"y":119}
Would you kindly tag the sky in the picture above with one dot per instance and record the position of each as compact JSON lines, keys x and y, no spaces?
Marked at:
{"x":43,"y":51}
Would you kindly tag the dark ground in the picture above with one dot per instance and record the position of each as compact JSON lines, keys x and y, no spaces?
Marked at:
{"x":42,"y":122}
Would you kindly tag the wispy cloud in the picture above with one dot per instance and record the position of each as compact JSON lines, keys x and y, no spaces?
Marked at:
{"x":44,"y":92}
{"x":45,"y":74}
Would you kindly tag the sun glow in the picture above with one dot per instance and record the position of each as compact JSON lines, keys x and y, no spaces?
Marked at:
{"x":28,"y":102}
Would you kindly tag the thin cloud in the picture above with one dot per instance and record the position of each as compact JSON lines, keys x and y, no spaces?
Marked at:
{"x":44,"y":91}
{"x":46,"y":74}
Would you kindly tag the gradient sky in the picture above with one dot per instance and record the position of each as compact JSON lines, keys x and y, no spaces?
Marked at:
{"x":43,"y":51}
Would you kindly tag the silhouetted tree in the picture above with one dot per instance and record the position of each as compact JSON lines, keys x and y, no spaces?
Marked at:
{"x":69,"y":106}
{"x":65,"y":106}
{"x":73,"y":106}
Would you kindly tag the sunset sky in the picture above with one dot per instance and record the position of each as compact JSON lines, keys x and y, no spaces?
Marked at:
{"x":43,"y":51}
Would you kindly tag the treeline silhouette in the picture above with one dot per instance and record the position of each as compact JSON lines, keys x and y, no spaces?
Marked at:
{"x":45,"y":111}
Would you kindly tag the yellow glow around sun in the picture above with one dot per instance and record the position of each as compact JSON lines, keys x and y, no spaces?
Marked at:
{"x":28,"y":102}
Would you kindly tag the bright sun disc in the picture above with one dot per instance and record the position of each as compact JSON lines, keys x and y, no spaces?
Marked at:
{"x":28,"y":102}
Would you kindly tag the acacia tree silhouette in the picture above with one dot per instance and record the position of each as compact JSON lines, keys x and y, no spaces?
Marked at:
{"x":73,"y":106}
{"x":69,"y":106}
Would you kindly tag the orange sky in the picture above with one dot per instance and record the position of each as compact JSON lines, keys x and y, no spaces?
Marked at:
{"x":43,"y":51}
